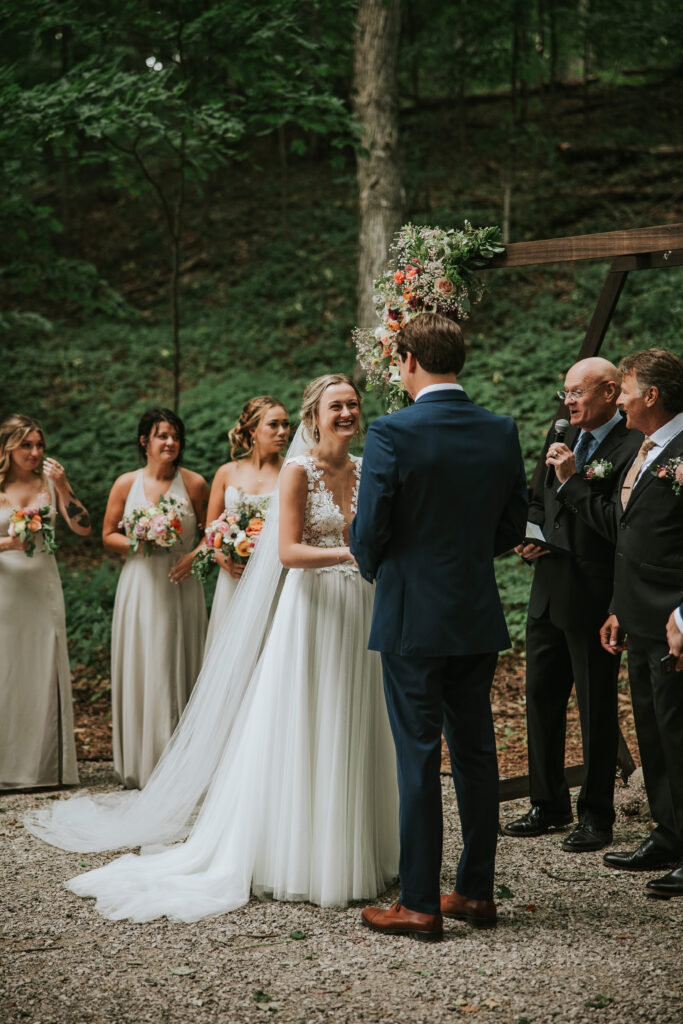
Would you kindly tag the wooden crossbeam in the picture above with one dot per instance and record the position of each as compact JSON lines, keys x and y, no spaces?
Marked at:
{"x":657,"y":240}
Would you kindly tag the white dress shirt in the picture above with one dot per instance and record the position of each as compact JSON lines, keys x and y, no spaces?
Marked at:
{"x":445,"y":386}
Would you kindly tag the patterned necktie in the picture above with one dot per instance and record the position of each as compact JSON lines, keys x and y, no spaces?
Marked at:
{"x":581,"y":450}
{"x":636,"y":466}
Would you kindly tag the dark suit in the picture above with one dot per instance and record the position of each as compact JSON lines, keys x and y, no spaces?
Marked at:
{"x":648,"y":583}
{"x":442,"y":492}
{"x":569,"y":602}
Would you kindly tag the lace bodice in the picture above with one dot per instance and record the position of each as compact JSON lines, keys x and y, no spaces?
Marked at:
{"x":324,"y":522}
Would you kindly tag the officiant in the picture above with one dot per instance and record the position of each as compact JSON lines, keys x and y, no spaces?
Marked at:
{"x":570,"y":594}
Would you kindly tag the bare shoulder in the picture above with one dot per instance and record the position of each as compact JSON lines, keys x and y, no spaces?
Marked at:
{"x":123,"y":484}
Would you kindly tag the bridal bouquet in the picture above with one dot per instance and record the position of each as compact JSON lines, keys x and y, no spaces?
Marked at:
{"x":235,"y":533}
{"x":429,"y":271}
{"x":155,"y":526}
{"x":27,"y":523}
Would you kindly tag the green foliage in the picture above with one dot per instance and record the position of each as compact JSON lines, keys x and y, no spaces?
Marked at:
{"x":89,"y":599}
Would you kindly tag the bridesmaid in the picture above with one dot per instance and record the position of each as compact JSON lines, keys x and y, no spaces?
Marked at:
{"x":257,"y":443}
{"x":36,"y":717}
{"x":159,"y":619}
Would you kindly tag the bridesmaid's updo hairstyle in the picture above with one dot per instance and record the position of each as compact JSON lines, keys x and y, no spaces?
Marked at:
{"x":311,"y":400}
{"x":436,"y":342}
{"x":240,"y":437}
{"x":150,"y":420}
{"x":12,"y":432}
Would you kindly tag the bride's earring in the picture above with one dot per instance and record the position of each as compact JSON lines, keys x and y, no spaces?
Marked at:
{"x":316,"y":434}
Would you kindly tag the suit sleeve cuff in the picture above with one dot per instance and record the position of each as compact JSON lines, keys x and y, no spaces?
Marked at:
{"x":678,"y":618}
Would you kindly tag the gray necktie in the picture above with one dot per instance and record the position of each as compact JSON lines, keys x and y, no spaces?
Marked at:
{"x":581,"y":450}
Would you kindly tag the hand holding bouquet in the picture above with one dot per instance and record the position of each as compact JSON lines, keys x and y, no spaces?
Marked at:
{"x":156,"y":526}
{"x":27,"y":523}
{"x":235,"y":533}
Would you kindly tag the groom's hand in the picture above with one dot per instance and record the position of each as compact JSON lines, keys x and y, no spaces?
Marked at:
{"x":530,"y":551}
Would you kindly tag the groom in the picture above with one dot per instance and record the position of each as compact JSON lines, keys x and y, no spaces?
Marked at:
{"x":442,"y":492}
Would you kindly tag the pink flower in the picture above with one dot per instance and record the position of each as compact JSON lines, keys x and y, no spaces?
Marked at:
{"x":411,"y":273}
{"x":399,"y":277}
{"x":661,"y":472}
{"x":679,"y":473}
{"x":443,"y":286}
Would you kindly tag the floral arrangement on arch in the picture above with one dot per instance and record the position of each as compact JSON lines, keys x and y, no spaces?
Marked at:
{"x":429,"y":270}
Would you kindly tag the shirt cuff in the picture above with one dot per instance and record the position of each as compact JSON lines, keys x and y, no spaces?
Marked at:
{"x":678,"y":618}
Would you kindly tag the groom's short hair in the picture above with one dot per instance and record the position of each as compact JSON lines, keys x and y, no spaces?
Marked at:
{"x":436,"y":342}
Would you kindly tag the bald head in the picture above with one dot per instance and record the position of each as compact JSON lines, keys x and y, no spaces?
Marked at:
{"x":592,"y":387}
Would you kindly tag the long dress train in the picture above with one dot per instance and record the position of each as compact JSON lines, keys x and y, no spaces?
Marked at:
{"x":304,"y":803}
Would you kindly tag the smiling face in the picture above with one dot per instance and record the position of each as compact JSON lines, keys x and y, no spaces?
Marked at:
{"x":271,"y":436}
{"x":636,"y":403}
{"x":163,"y":444}
{"x":27,"y":457}
{"x":338,"y":413}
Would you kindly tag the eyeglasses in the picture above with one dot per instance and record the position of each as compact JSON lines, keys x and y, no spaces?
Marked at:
{"x":574,"y":396}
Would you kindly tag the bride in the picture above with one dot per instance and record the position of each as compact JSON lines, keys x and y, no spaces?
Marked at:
{"x":286,"y":736}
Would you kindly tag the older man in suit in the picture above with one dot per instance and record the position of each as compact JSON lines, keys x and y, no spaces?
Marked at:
{"x":646,"y":523}
{"x":570,"y":598}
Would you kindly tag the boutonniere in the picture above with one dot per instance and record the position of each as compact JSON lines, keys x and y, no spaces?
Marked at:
{"x":598,"y":469}
{"x":671,"y":470}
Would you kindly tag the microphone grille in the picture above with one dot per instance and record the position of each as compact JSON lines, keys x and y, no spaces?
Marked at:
{"x":561,"y":426}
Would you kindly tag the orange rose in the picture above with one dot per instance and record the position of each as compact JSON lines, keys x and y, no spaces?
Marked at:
{"x":218,"y":539}
{"x":407,"y":295}
{"x":35,"y":524}
{"x":243,"y":548}
{"x":176,"y":524}
{"x":255,"y":526}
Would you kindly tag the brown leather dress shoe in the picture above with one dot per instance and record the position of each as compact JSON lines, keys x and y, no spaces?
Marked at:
{"x":479,"y":913}
{"x":398,"y":920}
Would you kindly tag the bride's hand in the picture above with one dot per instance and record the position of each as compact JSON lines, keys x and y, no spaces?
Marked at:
{"x":227,"y":563}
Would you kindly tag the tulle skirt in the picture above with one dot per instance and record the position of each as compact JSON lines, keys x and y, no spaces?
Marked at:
{"x":304,"y":803}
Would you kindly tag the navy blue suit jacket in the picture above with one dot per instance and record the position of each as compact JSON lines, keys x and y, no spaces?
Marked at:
{"x":442,"y":492}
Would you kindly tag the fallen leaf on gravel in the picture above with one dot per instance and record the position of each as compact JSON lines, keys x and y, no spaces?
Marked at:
{"x":625,"y":936}
{"x":134,"y":963}
{"x":297,"y":935}
{"x":467,"y":1008}
{"x":84,"y":864}
{"x":490,"y":1002}
{"x":259,"y":996}
{"x":599,"y":1002}
{"x":531,"y":907}
{"x":503,"y":893}
{"x":182,"y":970}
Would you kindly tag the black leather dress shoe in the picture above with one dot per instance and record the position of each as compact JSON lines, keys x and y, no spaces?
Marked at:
{"x":667,"y":885}
{"x":585,"y":838}
{"x":536,"y":822}
{"x":648,"y":857}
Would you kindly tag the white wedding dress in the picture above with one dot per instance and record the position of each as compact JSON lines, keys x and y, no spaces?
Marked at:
{"x":303,"y":802}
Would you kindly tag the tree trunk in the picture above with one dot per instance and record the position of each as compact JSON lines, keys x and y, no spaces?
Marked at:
{"x":176,"y":234}
{"x":375,"y":100}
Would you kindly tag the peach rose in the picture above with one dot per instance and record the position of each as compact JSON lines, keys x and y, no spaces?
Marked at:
{"x":255,"y":526}
{"x":411,"y":273}
{"x":679,"y":474}
{"x":444,"y":287}
{"x":218,"y":539}
{"x":399,"y":277}
{"x":35,"y":524}
{"x":661,"y":472}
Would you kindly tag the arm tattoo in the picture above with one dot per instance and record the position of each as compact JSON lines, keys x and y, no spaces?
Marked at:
{"x":77,"y":513}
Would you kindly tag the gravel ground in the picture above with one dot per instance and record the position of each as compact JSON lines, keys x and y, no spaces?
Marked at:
{"x":575,"y":942}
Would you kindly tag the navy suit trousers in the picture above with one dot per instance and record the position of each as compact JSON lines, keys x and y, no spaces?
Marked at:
{"x":425,"y":696}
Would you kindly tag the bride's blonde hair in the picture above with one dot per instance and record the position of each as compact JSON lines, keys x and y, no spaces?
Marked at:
{"x":12,"y":433}
{"x":311,"y":400}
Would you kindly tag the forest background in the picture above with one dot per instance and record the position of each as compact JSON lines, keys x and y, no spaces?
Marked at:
{"x":180,"y":214}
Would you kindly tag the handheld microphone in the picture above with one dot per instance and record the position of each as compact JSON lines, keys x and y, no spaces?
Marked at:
{"x":561,"y":428}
